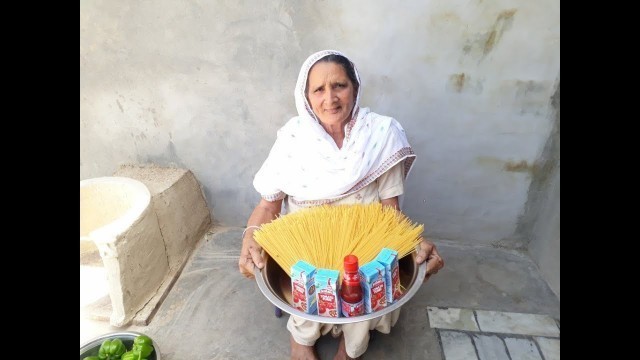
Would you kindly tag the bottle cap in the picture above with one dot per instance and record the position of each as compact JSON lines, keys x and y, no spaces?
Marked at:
{"x":351,"y":263}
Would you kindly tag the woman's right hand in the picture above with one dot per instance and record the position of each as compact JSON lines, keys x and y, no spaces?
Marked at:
{"x":251,"y":253}
{"x":250,"y":256}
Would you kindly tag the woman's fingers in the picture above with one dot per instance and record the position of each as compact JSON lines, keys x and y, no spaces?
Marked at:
{"x":256,"y":256}
{"x":250,"y":257}
{"x":434,"y":262}
{"x":423,"y":251}
{"x":245,"y":264}
{"x":427,"y":251}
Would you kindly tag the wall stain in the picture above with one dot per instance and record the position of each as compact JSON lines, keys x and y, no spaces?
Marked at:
{"x":502,"y":23}
{"x":524,"y":87}
{"x":445,"y":17}
{"x":484,"y":43}
{"x":490,"y":161}
{"x":530,"y":96}
{"x":457,"y":81}
{"x":168,"y":157}
{"x":511,"y":166}
{"x":156,"y":123}
{"x":521,"y":166}
{"x":450,"y":16}
{"x":120,"y":106}
{"x":462,"y":82}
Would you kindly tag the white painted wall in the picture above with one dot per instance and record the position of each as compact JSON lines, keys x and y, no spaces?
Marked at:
{"x":204,"y":85}
{"x":540,"y":226}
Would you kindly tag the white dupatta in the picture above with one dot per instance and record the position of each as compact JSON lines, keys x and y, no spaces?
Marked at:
{"x":306,"y":164}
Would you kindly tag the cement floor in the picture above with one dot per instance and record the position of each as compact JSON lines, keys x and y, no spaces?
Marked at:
{"x":212,"y":312}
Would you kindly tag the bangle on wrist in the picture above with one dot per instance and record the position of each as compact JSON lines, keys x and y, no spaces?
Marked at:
{"x":249,"y":227}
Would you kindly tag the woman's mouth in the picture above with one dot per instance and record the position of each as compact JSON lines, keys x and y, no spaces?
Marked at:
{"x":333,"y":111}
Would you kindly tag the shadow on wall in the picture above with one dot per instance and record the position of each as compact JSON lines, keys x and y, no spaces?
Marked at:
{"x":145,"y":223}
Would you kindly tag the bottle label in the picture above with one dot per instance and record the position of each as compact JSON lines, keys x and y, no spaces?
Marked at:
{"x":352,"y":277}
{"x":352,"y":309}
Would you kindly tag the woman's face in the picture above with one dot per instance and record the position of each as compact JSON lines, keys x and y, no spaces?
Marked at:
{"x":330,"y":93}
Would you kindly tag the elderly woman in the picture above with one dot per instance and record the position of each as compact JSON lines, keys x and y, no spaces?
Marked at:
{"x":333,"y":152}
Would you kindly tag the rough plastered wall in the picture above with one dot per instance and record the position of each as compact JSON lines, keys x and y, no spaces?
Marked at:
{"x":539,"y":229}
{"x":204,"y":85}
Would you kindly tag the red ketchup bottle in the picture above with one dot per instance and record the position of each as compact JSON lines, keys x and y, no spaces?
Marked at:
{"x":351,"y":290}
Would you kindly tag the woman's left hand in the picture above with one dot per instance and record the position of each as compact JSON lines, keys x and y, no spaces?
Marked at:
{"x":426,"y":250}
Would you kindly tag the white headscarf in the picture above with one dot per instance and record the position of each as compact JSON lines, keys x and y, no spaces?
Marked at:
{"x":306,"y":163}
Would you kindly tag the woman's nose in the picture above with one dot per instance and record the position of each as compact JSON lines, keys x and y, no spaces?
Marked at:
{"x":331,"y":95}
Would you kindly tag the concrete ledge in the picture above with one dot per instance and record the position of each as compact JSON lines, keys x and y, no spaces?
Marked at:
{"x":183,"y":215}
{"x":180,"y":217}
{"x":116,"y":215}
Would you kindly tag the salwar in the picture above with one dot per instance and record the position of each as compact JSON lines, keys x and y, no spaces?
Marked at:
{"x":356,"y":335}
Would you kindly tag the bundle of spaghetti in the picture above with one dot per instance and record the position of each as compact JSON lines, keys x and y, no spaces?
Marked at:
{"x":324,"y":235}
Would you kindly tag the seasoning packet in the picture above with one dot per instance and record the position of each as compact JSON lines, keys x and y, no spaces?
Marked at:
{"x":372,"y":278}
{"x":389,"y":259}
{"x":303,"y":287}
{"x":327,"y":292}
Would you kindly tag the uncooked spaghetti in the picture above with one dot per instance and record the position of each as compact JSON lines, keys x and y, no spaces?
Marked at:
{"x":324,"y":235}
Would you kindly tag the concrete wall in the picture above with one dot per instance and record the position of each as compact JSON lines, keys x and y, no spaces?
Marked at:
{"x":539,"y":229}
{"x":204,"y":85}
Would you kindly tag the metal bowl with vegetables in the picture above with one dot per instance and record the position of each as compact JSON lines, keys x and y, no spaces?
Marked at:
{"x":124,"y":345}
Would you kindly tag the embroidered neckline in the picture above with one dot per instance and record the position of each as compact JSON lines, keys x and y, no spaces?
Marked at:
{"x":401,"y":154}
